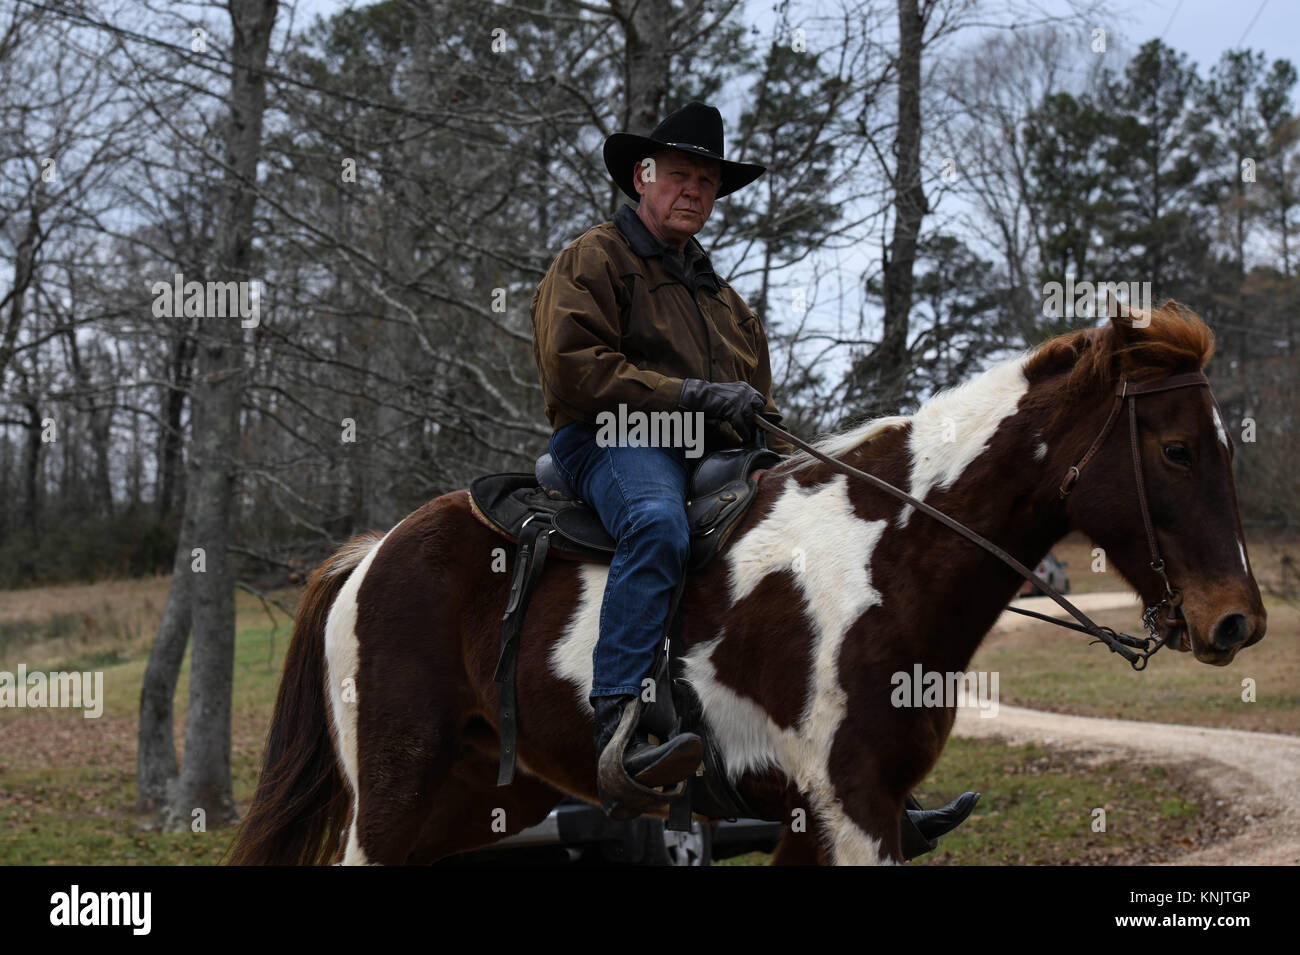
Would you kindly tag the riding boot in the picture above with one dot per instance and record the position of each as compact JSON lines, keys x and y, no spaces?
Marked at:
{"x":923,"y":827}
{"x":664,"y":764}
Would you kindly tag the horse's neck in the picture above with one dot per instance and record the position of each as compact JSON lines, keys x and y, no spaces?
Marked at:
{"x":1006,"y":492}
{"x":1017,"y":467}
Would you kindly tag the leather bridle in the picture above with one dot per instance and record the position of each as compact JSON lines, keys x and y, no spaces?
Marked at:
{"x":1159,"y":618}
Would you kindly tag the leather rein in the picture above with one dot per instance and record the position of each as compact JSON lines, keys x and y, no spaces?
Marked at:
{"x":1155,"y":618}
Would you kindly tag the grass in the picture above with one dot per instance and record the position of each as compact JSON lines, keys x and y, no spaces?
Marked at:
{"x":1049,"y":668}
{"x":1038,"y":807}
{"x":77,"y":622}
{"x":68,"y":784}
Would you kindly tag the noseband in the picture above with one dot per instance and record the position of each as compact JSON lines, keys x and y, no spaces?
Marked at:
{"x":1156,"y":618}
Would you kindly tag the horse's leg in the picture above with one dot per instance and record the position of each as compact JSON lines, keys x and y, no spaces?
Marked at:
{"x":868,"y":833}
{"x":830,"y":836}
{"x":388,"y":753}
{"x":802,"y":842}
{"x":400,"y":826}
{"x":399,"y":769}
{"x":426,"y":794}
{"x":396,"y":724}
{"x":859,"y":803}
{"x":469,"y":811}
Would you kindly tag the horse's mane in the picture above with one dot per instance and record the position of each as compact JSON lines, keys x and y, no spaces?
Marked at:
{"x":1176,"y":340}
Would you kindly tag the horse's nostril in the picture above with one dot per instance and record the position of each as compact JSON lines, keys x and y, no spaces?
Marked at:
{"x":1230,"y":631}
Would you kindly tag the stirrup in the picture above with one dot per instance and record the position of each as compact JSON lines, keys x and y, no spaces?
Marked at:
{"x":621,"y":796}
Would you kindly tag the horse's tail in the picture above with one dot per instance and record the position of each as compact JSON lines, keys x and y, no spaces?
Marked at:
{"x":301,"y":803}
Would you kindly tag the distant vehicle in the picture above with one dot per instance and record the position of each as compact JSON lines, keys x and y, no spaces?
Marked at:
{"x":578,"y":832}
{"x":1051,"y":570}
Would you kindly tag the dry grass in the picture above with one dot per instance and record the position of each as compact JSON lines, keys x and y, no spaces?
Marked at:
{"x":100,"y":623}
{"x":144,"y":597}
{"x":67,"y":783}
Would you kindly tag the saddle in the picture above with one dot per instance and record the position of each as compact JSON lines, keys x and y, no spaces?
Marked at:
{"x":546,"y":518}
{"x":719,"y":495}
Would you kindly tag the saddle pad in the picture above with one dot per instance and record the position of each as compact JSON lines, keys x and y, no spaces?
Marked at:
{"x":504,"y":501}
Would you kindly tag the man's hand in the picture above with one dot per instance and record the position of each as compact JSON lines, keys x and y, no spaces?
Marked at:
{"x":734,"y":402}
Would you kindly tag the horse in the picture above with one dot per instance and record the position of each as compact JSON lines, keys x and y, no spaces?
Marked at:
{"x":383,"y":744}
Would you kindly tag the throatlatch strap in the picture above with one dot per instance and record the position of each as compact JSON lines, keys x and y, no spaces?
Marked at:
{"x":534,"y":542}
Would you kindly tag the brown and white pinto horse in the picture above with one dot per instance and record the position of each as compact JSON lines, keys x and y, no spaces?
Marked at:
{"x":382,"y":748}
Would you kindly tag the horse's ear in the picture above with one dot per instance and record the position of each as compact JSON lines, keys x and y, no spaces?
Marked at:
{"x":1130,"y":320}
{"x":1131,"y":331}
{"x":1124,"y":332}
{"x":1126,"y":320}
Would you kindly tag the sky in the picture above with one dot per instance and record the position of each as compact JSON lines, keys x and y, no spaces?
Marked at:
{"x":1203,"y":29}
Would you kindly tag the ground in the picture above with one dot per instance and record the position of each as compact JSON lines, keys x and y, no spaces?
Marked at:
{"x":1254,"y":776}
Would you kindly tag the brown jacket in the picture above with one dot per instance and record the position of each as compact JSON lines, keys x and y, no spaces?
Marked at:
{"x":620,"y":318}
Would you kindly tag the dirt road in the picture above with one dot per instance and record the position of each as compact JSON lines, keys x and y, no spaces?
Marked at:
{"x":1257,"y":775}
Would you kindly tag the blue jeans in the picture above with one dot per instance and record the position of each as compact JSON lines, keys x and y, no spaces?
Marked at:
{"x":639,"y":494}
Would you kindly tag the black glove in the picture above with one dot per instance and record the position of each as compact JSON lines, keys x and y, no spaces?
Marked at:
{"x":734,"y":402}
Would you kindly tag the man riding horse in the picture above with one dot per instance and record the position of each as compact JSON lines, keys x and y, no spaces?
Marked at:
{"x":632,"y":314}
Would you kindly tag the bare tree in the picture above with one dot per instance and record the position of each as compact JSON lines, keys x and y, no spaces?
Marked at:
{"x":204,"y":783}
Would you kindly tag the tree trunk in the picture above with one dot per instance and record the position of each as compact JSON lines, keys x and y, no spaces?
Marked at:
{"x":31,"y":472}
{"x":645,"y":70}
{"x":24,"y":273}
{"x":156,"y":766}
{"x":169,"y":453}
{"x":909,"y":209}
{"x":203,"y":794}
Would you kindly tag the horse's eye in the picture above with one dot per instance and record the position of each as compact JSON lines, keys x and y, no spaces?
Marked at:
{"x":1178,"y":454}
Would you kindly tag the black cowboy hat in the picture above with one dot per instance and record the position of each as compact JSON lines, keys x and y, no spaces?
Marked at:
{"x":695,"y":129}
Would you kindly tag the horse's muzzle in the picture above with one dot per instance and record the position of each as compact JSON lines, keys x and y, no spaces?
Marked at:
{"x":1230,"y":633}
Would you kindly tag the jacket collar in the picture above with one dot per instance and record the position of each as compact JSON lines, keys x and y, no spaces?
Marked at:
{"x":645,"y":244}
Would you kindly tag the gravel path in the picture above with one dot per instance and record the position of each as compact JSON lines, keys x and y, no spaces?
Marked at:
{"x":1256,"y":774}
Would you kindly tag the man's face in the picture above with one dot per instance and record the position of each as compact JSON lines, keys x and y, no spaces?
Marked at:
{"x":679,"y":200}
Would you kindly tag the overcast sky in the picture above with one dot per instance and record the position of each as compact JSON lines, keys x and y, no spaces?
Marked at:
{"x":1205,"y":28}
